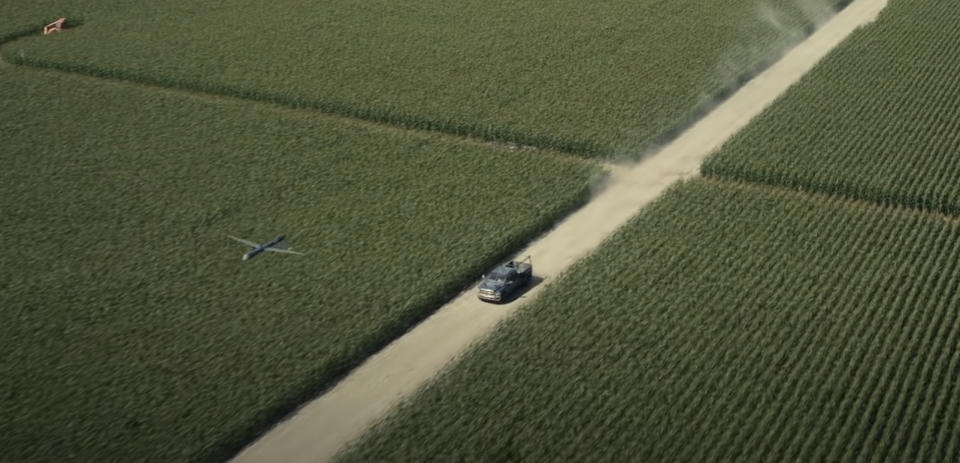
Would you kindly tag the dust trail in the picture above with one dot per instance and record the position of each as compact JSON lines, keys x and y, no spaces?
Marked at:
{"x":783,"y":23}
{"x":324,"y":426}
{"x":795,"y":24}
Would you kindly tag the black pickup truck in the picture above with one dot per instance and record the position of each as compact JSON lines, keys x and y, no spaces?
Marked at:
{"x":505,"y":279}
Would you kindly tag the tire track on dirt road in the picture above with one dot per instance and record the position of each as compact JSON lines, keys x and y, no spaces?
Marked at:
{"x":321,"y":428}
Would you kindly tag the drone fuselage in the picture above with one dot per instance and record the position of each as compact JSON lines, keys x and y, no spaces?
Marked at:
{"x":263,"y":247}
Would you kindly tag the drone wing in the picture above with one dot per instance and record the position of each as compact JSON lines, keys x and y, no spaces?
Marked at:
{"x":285,"y":251}
{"x":248,"y":243}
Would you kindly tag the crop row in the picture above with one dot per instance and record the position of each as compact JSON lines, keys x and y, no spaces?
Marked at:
{"x":725,"y":323}
{"x":606,"y":79}
{"x":878,"y":119}
{"x":22,"y":19}
{"x":131,"y":330}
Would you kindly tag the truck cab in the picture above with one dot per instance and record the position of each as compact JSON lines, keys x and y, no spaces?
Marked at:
{"x":505,"y":279}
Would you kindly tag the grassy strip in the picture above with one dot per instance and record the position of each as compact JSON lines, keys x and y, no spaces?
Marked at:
{"x":387,"y":116}
{"x":725,"y":323}
{"x":25,"y":18}
{"x":604,"y":80}
{"x":16,"y":33}
{"x":9,"y":34}
{"x":876,"y":120}
{"x":130,"y":327}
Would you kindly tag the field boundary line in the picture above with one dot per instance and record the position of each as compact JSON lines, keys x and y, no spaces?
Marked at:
{"x":494,"y":144}
{"x":397,"y":117}
{"x":850,"y":201}
{"x":325,"y":426}
{"x":386,"y":116}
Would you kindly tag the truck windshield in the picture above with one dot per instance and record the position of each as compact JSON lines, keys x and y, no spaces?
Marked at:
{"x":498,"y":275}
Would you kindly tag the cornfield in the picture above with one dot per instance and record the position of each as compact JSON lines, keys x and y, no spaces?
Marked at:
{"x":877,"y":120}
{"x":725,"y":323}
{"x":130,"y":328}
{"x":598,"y":79}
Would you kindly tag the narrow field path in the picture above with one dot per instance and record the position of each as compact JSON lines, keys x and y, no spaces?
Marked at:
{"x":324,"y":426}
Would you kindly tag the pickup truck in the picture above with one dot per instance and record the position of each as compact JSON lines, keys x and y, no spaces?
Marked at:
{"x":505,"y":279}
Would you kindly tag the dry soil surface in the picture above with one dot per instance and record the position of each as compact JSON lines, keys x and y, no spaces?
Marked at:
{"x":319,"y":429}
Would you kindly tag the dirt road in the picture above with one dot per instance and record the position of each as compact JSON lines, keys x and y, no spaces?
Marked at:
{"x":322,"y":427}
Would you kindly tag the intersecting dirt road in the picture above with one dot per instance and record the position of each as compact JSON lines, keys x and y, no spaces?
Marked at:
{"x":324,"y":426}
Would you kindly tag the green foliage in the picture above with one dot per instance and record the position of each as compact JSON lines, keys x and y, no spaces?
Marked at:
{"x":25,"y":18}
{"x":130,"y":330}
{"x":725,"y":323}
{"x":877,"y":120}
{"x":599,"y":78}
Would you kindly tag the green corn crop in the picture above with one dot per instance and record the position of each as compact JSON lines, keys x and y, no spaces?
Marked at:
{"x":724,"y":323}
